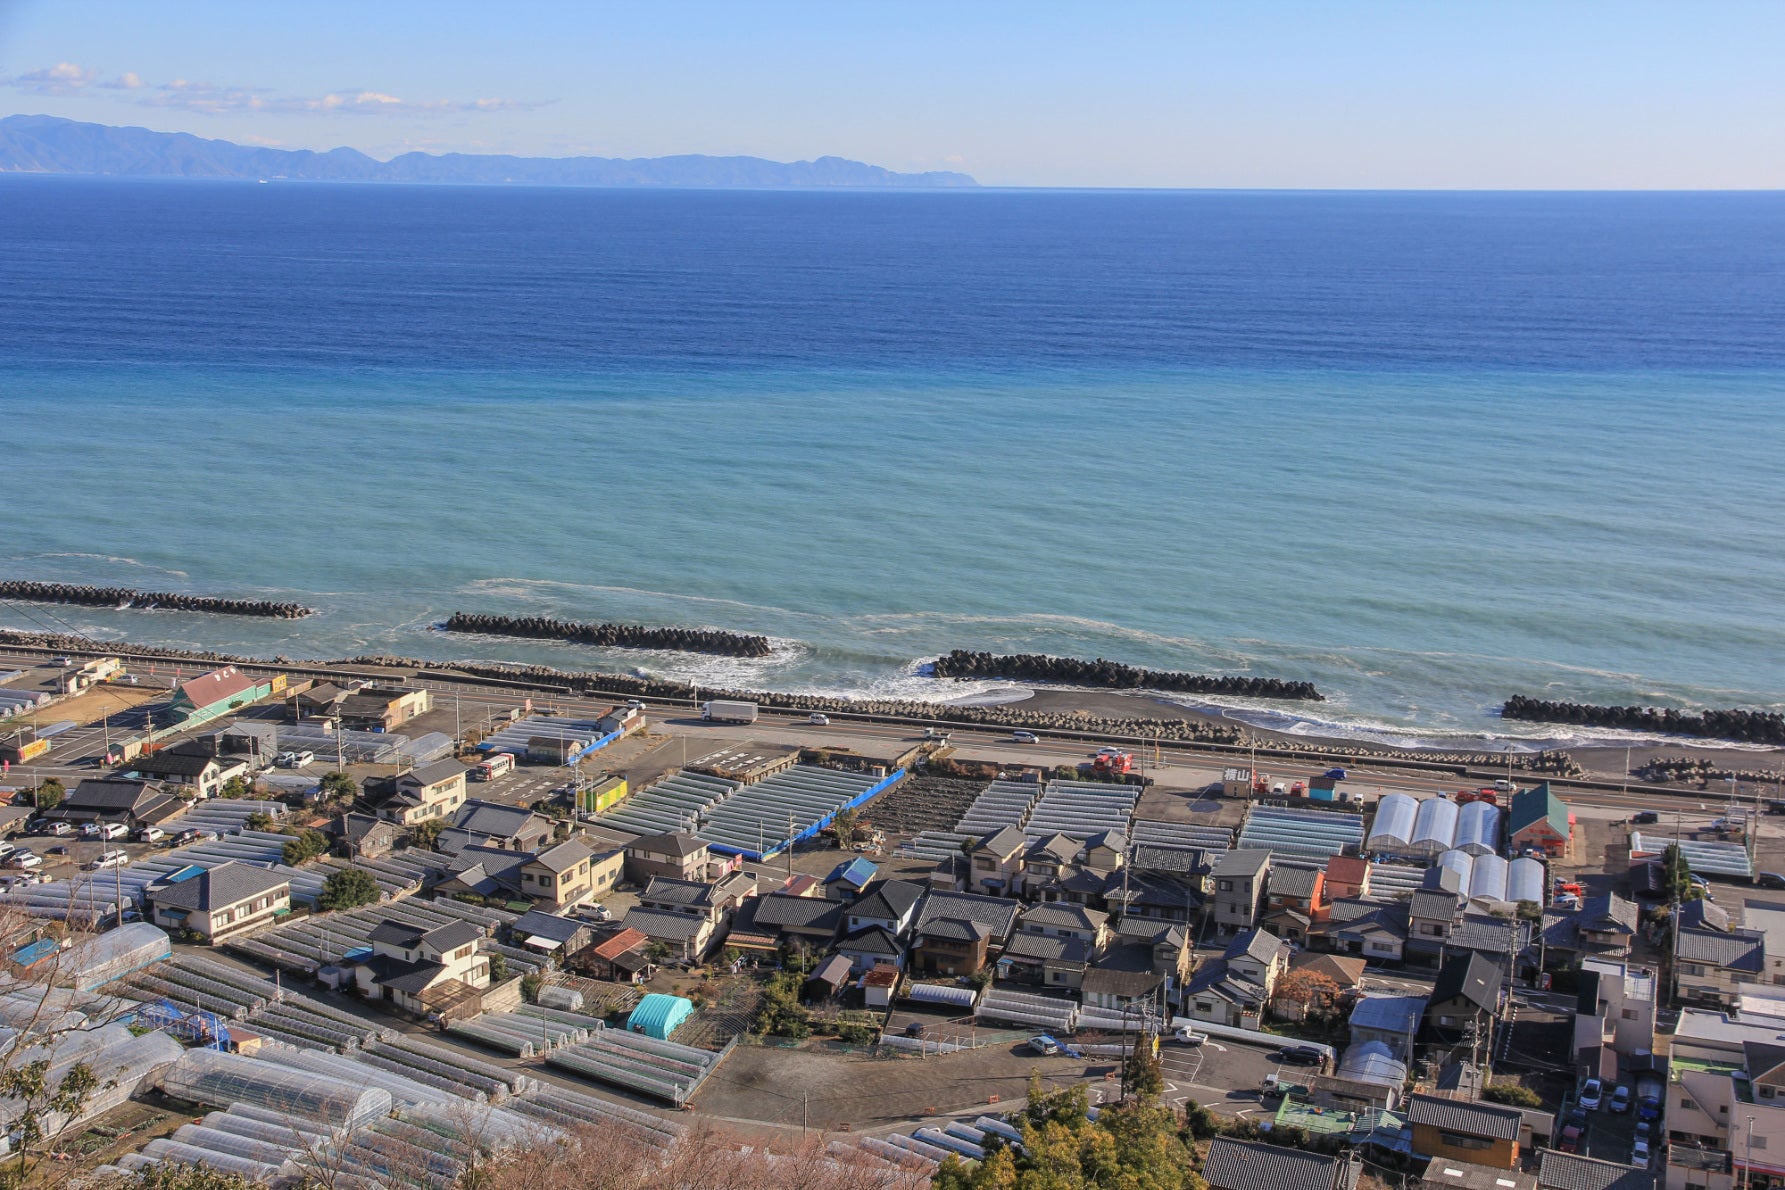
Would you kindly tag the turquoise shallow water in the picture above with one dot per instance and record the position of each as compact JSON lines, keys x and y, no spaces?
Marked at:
{"x":1333,"y":469}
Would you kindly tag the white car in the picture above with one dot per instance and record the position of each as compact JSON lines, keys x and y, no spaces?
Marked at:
{"x":24,"y":859}
{"x":1024,"y":737}
{"x":111,"y":831}
{"x":1639,"y":1152}
{"x":817,"y":719}
{"x":6,"y":849}
{"x":1189,"y":1036}
{"x":116,"y":858}
{"x":1592,"y":1095}
{"x":89,"y":830}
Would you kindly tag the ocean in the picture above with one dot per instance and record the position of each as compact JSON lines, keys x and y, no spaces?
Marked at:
{"x":1424,"y":450}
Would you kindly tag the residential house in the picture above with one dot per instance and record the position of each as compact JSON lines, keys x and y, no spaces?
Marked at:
{"x":1240,"y":879}
{"x":1376,"y":930}
{"x":1347,"y":876}
{"x":1614,"y":1009}
{"x":220,"y":902}
{"x":849,"y":879}
{"x":810,"y":923}
{"x":112,"y":799}
{"x":423,"y":971}
{"x":568,"y":874}
{"x":1713,"y":965}
{"x":1053,"y":944}
{"x":1606,"y":925}
{"x":1047,"y":862}
{"x":1172,"y":954}
{"x":1461,"y":1130}
{"x":365,"y":836}
{"x":1124,"y":979}
{"x":996,"y":863}
{"x":691,"y":916}
{"x":320,"y":701}
{"x":1249,"y":1165}
{"x":1465,"y":1000}
{"x":959,"y":933}
{"x":1221,"y":996}
{"x":619,"y":957}
{"x":550,"y":933}
{"x":1259,"y":957}
{"x":1190,"y":864}
{"x":434,"y":791}
{"x":1293,"y":901}
{"x":1557,"y":1170}
{"x":383,"y":708}
{"x":478,"y":823}
{"x":1105,"y":851}
{"x":1538,"y":818}
{"x":872,"y":947}
{"x":674,"y":856}
{"x":1432,"y":914}
{"x":1392,"y":1020}
{"x":1155,"y":895}
{"x":489,"y":872}
{"x":188,"y":770}
{"x":890,"y":905}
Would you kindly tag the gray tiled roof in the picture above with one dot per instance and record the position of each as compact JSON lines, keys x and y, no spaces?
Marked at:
{"x":1741,"y":950}
{"x":872,"y":940}
{"x":889,"y":900}
{"x":1054,"y":849}
{"x":1245,"y":862}
{"x":434,"y":774}
{"x":664,"y":924}
{"x":565,"y":855}
{"x":1566,"y":1171}
{"x":489,"y":818}
{"x":1063,"y":915}
{"x":1471,"y":977}
{"x":1154,"y":857}
{"x":1257,"y":944}
{"x":674,"y":843}
{"x":537,"y":924}
{"x":1293,"y":882}
{"x":779,"y":912}
{"x":1433,"y":905}
{"x":1606,"y":914}
{"x":1247,"y":1165}
{"x":1489,"y":935}
{"x":1002,"y":841}
{"x":1045,"y":948}
{"x":996,"y":913}
{"x":223,"y":885}
{"x":693,"y":893}
{"x":1460,"y":1115}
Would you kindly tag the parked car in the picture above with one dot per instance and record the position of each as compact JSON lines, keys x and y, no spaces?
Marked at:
{"x":1044,"y":1045}
{"x":7,"y":849}
{"x":1648,"y":1108}
{"x":1646,"y":817}
{"x":1300,"y":1055}
{"x":23,"y":860}
{"x":1770,"y":880}
{"x":817,"y":719}
{"x":1024,"y":737}
{"x":1189,"y":1036}
{"x":60,"y":830}
{"x":59,"y":849}
{"x":112,"y":831}
{"x":1592,"y":1095}
{"x":150,"y":834}
{"x":1566,"y":901}
{"x":89,"y":830}
{"x":115,"y":858}
{"x":1644,"y":1130}
{"x":1620,"y":1099}
{"x":1572,"y":1132}
{"x":1639,"y":1151}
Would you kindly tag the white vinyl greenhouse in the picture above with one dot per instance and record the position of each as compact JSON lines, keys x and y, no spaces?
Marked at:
{"x":1435,"y":826}
{"x":1393,"y":830}
{"x":1487,"y":882}
{"x":1478,"y":828}
{"x":1524,"y":880}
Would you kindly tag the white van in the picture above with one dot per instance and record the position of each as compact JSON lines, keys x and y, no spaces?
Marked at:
{"x":1024,"y":737}
{"x":112,"y":831}
{"x":115,"y":858}
{"x":816,"y":719}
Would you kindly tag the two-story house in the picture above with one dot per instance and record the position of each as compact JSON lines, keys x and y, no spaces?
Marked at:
{"x":1347,"y":876}
{"x":995,"y":864}
{"x":434,"y":791}
{"x":1054,"y":943}
{"x":1432,"y":913}
{"x":1713,"y":964}
{"x":1465,"y":1000}
{"x":1464,"y":1130}
{"x":422,"y":970}
{"x":876,"y":924}
{"x":478,"y":823}
{"x":219,"y":902}
{"x":691,"y":916}
{"x":1240,"y":879}
{"x":189,"y":769}
{"x":1392,"y":1020}
{"x":959,"y":933}
{"x":674,"y":856}
{"x":1294,"y":900}
{"x":568,"y":874}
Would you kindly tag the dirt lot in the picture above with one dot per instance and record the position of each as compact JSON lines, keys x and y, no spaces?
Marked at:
{"x":782,"y":1085}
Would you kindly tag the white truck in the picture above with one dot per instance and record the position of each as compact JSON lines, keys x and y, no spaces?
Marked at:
{"x":729,"y":712}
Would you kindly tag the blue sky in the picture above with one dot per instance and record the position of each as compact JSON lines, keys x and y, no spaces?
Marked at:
{"x":1247,"y":93}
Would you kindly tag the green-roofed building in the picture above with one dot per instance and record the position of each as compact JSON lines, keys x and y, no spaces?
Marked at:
{"x":1539,"y":818}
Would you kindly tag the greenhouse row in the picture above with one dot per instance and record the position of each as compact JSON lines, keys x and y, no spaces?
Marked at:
{"x":1407,"y":826}
{"x":671,"y":805}
{"x":1295,"y":833}
{"x":760,"y":820}
{"x":315,"y":942}
{"x":1082,"y":810}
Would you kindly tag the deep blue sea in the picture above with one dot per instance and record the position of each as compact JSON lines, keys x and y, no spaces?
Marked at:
{"x":1425,"y":450}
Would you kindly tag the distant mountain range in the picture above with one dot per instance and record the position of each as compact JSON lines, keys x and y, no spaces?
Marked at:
{"x":50,"y":145}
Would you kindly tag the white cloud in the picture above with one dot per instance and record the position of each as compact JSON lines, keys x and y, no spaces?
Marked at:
{"x":66,"y":78}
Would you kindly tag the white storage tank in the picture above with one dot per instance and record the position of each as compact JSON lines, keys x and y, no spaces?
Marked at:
{"x":1488,"y":881}
{"x":1478,"y":828}
{"x":1435,"y":825}
{"x":1394,"y":822}
{"x":1524,"y":880}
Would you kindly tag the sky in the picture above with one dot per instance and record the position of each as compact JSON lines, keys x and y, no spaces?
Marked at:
{"x":1453,"y":94}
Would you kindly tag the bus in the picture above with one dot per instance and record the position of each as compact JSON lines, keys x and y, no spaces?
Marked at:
{"x":493,"y":766}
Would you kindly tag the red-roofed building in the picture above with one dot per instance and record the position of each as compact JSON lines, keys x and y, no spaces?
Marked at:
{"x":619,"y":957}
{"x":879,"y":986}
{"x":218,"y":693}
{"x":1347,"y":876}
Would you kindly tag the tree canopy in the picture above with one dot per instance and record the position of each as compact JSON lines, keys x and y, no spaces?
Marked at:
{"x":348,"y":889}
